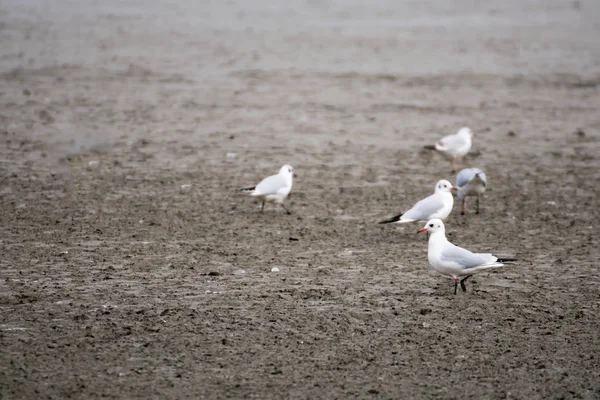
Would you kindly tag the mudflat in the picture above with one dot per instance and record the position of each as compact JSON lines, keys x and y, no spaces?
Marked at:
{"x":132,"y":268}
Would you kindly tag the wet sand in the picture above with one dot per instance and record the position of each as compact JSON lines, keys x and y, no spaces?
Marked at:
{"x":132,"y":268}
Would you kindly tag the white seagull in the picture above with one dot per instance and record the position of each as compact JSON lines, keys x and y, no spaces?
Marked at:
{"x":454,"y":261}
{"x":470,"y":182}
{"x":274,"y":188}
{"x":438,"y":205}
{"x":454,"y":146}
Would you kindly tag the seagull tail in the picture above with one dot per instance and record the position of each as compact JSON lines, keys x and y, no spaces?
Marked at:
{"x":391,"y":220}
{"x":503,"y":260}
{"x":247,"y":189}
{"x":429,"y":147}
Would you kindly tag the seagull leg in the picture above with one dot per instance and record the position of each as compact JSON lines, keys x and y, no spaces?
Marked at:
{"x":462,"y":283}
{"x":477,"y":204}
{"x":452,"y":162}
{"x":455,"y":285}
{"x":286,"y":210}
{"x":262,"y":209}
{"x":464,"y":200}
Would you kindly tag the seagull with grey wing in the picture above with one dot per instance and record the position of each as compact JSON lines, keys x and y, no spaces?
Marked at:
{"x":454,"y":261}
{"x":438,"y":205}
{"x":274,"y":188}
{"x":454,"y":146}
{"x":470,"y":182}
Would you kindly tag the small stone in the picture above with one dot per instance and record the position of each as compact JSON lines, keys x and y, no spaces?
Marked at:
{"x":579,"y":132}
{"x":213,"y":273}
{"x":93,"y":164}
{"x":511,"y":133}
{"x":274,"y":269}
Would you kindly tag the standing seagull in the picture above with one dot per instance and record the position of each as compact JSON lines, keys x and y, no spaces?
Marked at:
{"x":470,"y":182}
{"x":454,"y":261}
{"x":454,"y":146}
{"x":274,"y":188}
{"x":438,"y":205}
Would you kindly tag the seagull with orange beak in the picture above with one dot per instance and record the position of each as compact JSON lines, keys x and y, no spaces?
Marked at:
{"x":454,"y":146}
{"x":274,"y":188}
{"x":454,"y":261}
{"x":438,"y":205}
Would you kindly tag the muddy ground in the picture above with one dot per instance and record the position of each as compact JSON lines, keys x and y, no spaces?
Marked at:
{"x":131,"y":268}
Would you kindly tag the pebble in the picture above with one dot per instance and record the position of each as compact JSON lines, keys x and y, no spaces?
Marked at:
{"x":93,"y":164}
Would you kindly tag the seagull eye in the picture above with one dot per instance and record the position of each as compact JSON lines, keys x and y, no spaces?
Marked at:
{"x":431,"y":225}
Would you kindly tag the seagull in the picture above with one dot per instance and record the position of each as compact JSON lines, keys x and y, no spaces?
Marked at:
{"x":274,"y":188}
{"x":438,"y":205}
{"x":470,"y":182}
{"x":454,"y":146}
{"x":454,"y":261}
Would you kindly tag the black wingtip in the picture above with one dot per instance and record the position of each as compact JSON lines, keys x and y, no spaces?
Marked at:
{"x":429,"y":147}
{"x":391,"y":220}
{"x":507,"y":260}
{"x":247,"y":189}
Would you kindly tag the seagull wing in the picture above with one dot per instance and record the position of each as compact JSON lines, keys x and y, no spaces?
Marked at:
{"x":270,"y":185}
{"x":466,"y":260}
{"x":423,"y":209}
{"x":468,"y":174}
{"x":483,"y":177}
{"x":465,"y":176}
{"x":450,"y":142}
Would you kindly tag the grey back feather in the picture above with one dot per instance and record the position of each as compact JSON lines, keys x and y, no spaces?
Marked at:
{"x":468,"y":174}
{"x":423,"y":209}
{"x":271,"y":185}
{"x":464,"y":258}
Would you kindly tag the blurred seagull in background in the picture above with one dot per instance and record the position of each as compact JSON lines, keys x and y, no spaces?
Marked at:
{"x":470,"y":182}
{"x":274,"y":188}
{"x":438,"y":205}
{"x":454,"y":146}
{"x":454,"y":261}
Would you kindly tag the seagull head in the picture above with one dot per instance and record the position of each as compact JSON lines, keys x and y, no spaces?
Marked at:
{"x":466,"y":132}
{"x":444,"y":186}
{"x":287,"y":170}
{"x":432,"y":226}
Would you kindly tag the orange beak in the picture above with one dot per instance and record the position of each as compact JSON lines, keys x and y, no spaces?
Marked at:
{"x":294,"y":175}
{"x":453,"y":188}
{"x":422,"y":230}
